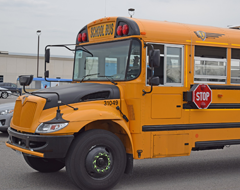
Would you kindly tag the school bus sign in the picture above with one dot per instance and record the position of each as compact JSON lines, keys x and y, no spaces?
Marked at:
{"x":202,"y":96}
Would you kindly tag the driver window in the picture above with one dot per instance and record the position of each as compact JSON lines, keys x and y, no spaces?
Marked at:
{"x":134,"y":62}
{"x":170,"y":71}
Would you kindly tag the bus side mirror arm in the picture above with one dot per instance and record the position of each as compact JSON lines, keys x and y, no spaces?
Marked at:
{"x":154,"y":81}
{"x":144,"y":92}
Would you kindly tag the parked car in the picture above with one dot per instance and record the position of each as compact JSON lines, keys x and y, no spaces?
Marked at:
{"x":6,"y":113}
{"x":12,"y":87}
{"x":4,"y":93}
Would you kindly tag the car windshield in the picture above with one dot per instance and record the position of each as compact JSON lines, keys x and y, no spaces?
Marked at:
{"x":104,"y":60}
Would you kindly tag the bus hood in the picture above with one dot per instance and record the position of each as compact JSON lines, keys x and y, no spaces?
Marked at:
{"x":79,"y":92}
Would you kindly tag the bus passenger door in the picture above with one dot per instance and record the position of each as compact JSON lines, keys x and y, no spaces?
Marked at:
{"x":166,"y":99}
{"x":162,"y":109}
{"x":165,"y":103}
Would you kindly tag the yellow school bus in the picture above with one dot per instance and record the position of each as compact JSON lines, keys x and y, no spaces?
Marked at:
{"x":142,"y":89}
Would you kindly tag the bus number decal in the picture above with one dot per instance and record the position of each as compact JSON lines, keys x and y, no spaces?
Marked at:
{"x":109,"y":103}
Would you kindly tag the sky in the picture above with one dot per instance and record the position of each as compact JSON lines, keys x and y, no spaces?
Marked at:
{"x":61,"y":20}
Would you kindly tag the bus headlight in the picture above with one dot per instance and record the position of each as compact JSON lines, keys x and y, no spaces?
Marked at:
{"x":49,"y":128}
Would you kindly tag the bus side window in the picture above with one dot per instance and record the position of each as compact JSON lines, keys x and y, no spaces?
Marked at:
{"x":210,"y":65}
{"x":235,"y":66}
{"x":173,"y":64}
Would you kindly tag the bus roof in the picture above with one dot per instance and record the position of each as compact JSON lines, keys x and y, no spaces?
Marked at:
{"x":168,"y":32}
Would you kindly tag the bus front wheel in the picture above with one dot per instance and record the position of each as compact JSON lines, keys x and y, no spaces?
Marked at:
{"x":96,"y":160}
{"x":44,"y":165}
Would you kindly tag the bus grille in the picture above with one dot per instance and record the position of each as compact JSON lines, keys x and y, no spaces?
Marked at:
{"x":23,"y":115}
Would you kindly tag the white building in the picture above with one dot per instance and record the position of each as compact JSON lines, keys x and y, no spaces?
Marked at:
{"x":13,"y":65}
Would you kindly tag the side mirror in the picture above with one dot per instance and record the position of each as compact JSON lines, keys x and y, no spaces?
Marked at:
{"x":154,"y":81}
{"x":154,"y":58}
{"x":25,"y":80}
{"x":47,"y":55}
{"x":46,"y":74}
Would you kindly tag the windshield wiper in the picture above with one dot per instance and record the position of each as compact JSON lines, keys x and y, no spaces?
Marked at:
{"x":110,"y":79}
{"x":88,"y":76}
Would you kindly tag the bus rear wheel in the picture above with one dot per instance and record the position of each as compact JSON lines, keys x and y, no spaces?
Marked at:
{"x":44,"y":165}
{"x":96,"y":160}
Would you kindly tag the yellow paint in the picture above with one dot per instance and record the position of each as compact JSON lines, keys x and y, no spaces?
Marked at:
{"x":25,"y":151}
{"x":186,"y":66}
{"x":215,"y":43}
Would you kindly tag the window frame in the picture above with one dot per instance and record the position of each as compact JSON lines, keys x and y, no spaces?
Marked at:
{"x":165,"y":65}
{"x":165,"y":56}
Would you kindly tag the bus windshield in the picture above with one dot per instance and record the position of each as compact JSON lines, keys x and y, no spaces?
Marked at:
{"x":112,"y":59}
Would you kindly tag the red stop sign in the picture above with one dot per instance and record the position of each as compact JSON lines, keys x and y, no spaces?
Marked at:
{"x":202,"y":96}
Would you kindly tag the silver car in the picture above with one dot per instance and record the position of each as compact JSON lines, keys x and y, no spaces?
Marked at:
{"x":6,"y":113}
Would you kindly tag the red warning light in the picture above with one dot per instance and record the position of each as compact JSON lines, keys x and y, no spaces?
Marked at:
{"x":119,"y":31}
{"x":80,"y":37}
{"x":125,"y":29}
{"x":84,"y":37}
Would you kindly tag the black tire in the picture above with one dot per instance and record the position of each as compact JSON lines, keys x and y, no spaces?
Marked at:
{"x":44,"y":165}
{"x":96,"y":160}
{"x":4,"y":95}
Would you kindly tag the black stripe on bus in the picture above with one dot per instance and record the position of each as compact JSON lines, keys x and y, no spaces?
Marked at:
{"x":214,"y":106}
{"x":204,"y":144}
{"x":224,"y":87}
{"x":189,"y":126}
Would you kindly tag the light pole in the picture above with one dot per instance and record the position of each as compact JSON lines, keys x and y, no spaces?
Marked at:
{"x":38,"y":33}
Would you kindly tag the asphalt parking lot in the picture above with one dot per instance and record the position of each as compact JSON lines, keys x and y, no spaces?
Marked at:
{"x":213,"y":169}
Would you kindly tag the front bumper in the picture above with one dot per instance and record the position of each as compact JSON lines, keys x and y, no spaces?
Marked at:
{"x":39,"y":145}
{"x":5,"y":121}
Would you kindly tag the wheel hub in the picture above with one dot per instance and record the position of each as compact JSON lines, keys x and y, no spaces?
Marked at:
{"x":99,"y":162}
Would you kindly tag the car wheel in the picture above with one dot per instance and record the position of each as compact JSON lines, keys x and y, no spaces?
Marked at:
{"x":96,"y":160}
{"x":44,"y":165}
{"x":4,"y":95}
